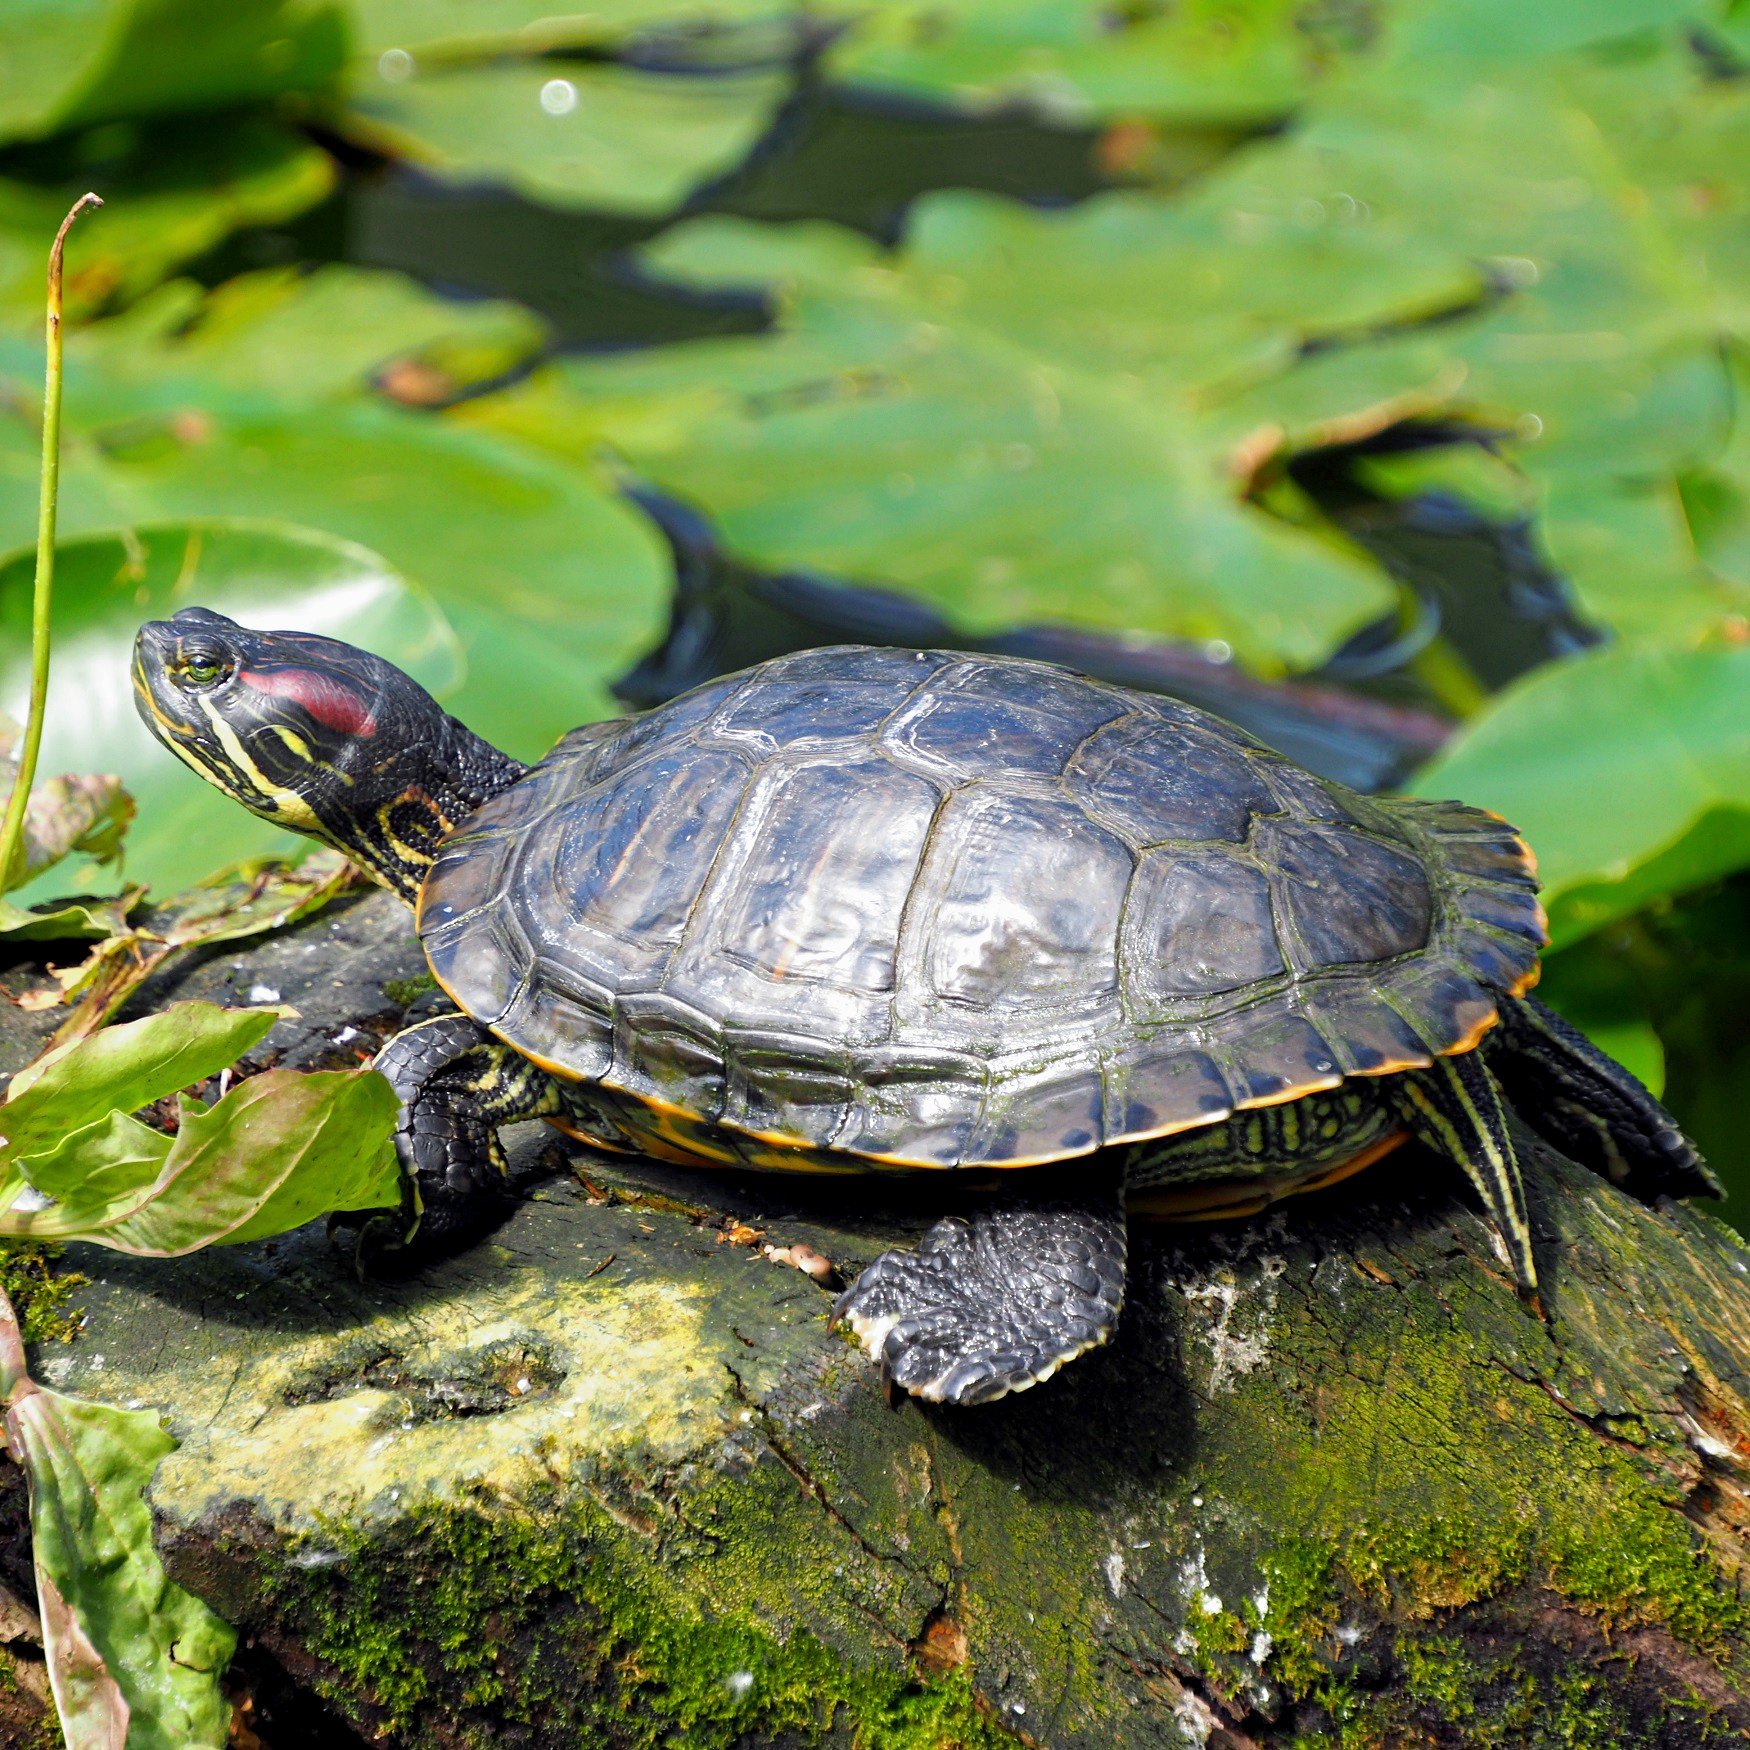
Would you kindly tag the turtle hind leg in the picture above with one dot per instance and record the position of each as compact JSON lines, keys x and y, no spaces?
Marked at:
{"x":994,"y":1302}
{"x":457,"y":1084}
{"x":1454,"y":1108}
{"x":1591,"y":1108}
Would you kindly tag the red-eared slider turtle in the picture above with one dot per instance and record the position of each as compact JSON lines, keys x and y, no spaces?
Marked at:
{"x":872,"y":911}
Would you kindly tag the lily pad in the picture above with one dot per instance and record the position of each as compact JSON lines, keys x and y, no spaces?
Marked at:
{"x":583,"y":135}
{"x":171,"y":195}
{"x":257,"y":403}
{"x":1606,"y":195}
{"x":263,"y":574}
{"x":1628,"y":771}
{"x":449,"y":29}
{"x":1077,"y":60}
{"x":1010,"y":418}
{"x":64,"y":63}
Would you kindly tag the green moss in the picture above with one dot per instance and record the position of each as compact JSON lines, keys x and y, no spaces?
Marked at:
{"x":517,"y":1616}
{"x":405,"y":992}
{"x":1643,"y":1563}
{"x":39,"y":1292}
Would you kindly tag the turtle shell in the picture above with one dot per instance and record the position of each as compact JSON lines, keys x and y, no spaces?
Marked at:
{"x":941,"y":910}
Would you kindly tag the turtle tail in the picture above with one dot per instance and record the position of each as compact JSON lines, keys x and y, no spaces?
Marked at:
{"x":1591,"y":1108}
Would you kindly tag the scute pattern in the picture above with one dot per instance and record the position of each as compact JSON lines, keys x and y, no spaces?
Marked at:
{"x":941,"y":910}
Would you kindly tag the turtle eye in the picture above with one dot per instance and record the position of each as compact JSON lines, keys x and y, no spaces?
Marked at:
{"x":201,"y":669}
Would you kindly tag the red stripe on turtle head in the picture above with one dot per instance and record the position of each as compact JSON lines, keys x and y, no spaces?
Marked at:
{"x":331,"y":702}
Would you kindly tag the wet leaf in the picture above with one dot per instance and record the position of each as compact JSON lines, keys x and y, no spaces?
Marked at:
{"x":170,"y":196}
{"x":1606,"y":193}
{"x":122,"y":1069}
{"x":449,"y":29}
{"x":133,"y":1659}
{"x":1202,"y":60}
{"x":274,"y":1153}
{"x":283,"y":335}
{"x":577,"y":135}
{"x":227,"y":907}
{"x":78,"y":61}
{"x":262,"y":574}
{"x":551,"y":584}
{"x":1627,"y":770}
{"x":1010,"y":419}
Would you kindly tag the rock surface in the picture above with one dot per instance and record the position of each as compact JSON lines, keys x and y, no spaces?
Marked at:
{"x":609,"y":1479}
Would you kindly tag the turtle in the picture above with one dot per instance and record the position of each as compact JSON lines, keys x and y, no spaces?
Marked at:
{"x":1084,"y":950}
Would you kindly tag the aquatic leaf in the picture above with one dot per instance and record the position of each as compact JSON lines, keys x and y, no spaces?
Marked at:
{"x":1075,"y":60}
{"x":261,"y":574}
{"x":277,"y":1151}
{"x":171,"y":195}
{"x":1607,"y":194}
{"x":451,"y":29}
{"x":134,"y":1660}
{"x":279,"y":337}
{"x":1628,"y":771}
{"x":584,"y":135}
{"x":70,"y":62}
{"x":551,"y":583}
{"x":122,"y":1069}
{"x":1010,"y":418}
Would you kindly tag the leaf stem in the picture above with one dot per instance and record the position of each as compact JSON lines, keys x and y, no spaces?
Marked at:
{"x":12,"y":831}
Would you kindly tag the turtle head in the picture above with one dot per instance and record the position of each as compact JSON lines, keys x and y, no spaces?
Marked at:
{"x":315,"y":735}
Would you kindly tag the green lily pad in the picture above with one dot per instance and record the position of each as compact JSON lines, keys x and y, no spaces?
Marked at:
{"x":450,"y":29}
{"x":279,"y":337}
{"x":1010,"y":419}
{"x":1077,"y":60}
{"x":256,"y":403}
{"x":1628,"y":771}
{"x":586,"y":135}
{"x":171,"y":195}
{"x":1607,"y":193}
{"x":262,"y":574}
{"x":64,"y":63}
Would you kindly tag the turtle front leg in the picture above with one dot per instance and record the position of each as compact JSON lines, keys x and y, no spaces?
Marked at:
{"x":1454,"y":1108}
{"x":997,"y":1301}
{"x":457,"y":1084}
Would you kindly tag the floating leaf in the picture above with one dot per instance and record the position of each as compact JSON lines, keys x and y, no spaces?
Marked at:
{"x":1010,"y":419}
{"x":1607,"y":194}
{"x":274,"y":1153}
{"x":62,"y":65}
{"x":551,"y":583}
{"x":1075,"y":60}
{"x":448,"y":29}
{"x":1627,"y":770}
{"x":122,"y":1069}
{"x":171,"y":195}
{"x":258,"y":573}
{"x":585,"y":135}
{"x":133,"y":1659}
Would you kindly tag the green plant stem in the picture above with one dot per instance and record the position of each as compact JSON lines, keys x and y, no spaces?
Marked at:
{"x":12,"y":831}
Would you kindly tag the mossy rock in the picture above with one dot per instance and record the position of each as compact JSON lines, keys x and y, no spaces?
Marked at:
{"x":609,"y":1479}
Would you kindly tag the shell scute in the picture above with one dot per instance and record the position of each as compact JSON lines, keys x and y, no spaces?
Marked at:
{"x":1199,"y":922}
{"x":1160,"y":781}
